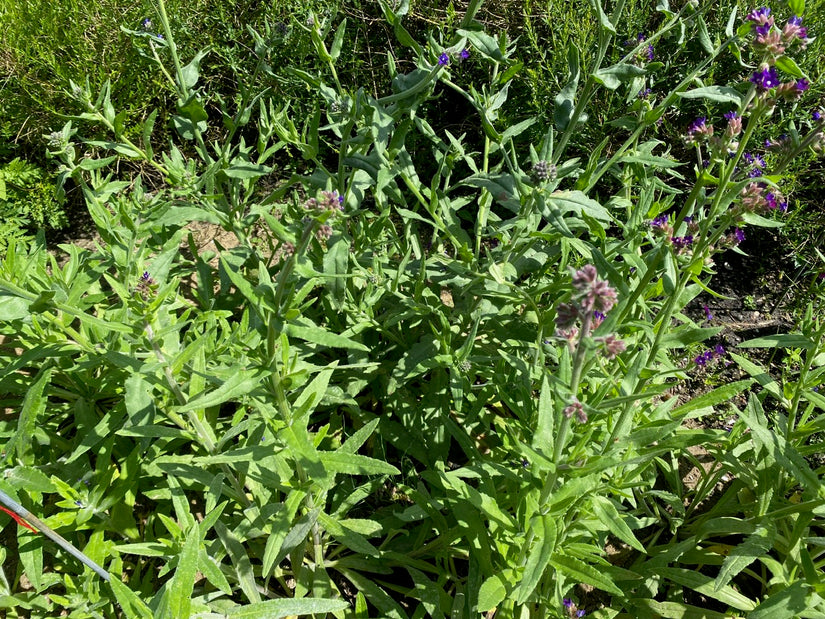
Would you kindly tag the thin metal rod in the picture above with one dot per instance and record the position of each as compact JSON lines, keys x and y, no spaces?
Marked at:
{"x":33,"y":520}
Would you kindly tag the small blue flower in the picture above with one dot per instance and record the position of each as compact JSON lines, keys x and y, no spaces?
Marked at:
{"x":443,"y":59}
{"x":465,"y":53}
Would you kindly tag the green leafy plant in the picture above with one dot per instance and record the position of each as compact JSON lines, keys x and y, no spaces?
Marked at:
{"x":427,"y":377}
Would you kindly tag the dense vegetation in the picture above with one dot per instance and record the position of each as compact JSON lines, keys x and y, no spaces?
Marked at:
{"x":409,"y":311}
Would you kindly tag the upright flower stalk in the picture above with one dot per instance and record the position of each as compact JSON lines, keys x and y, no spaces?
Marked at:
{"x":576,"y":321}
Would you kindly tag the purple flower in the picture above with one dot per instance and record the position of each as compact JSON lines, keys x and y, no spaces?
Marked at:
{"x":341,"y":200}
{"x":816,"y":115}
{"x":644,"y":94}
{"x":580,"y":613}
{"x":697,"y":125}
{"x":708,"y":315}
{"x":659,"y":223}
{"x":681,"y":242}
{"x":783,"y":206}
{"x":147,"y":24}
{"x":443,"y":59}
{"x":802,"y":85}
{"x":766,"y":78}
{"x":719,"y":350}
{"x":465,"y":53}
{"x":567,"y":602}
{"x":702,"y":359}
{"x":650,"y":55}
{"x":763,"y":29}
{"x":731,"y":115}
{"x":794,"y":20}
{"x":759,"y":15}
{"x":739,"y":235}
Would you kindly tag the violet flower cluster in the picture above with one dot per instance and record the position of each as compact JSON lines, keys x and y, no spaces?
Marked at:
{"x":661,"y":226}
{"x":772,"y":42}
{"x":709,"y":355}
{"x":647,"y":52}
{"x":572,"y":609}
{"x":444,"y":58}
{"x":146,"y":286}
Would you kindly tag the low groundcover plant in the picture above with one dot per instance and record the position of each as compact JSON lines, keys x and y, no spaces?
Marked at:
{"x":429,"y":375}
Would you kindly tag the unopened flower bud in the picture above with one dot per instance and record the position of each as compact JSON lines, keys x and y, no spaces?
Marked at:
{"x":544,"y":171}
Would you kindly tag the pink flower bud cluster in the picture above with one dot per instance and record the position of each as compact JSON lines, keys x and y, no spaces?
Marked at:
{"x":575,"y":408}
{"x":697,"y":129}
{"x":329,"y":203}
{"x":769,"y":38}
{"x":284,"y":251}
{"x":592,"y":293}
{"x":592,"y":299}
{"x":759,"y":198}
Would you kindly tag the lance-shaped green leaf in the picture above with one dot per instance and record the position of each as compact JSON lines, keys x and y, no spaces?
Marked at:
{"x":578,"y":203}
{"x":582,"y":572}
{"x":288,"y":607}
{"x":544,"y":542}
{"x":609,"y":516}
{"x":183,"y":582}
{"x":756,"y":545}
{"x":719,"y":94}
{"x":613,"y":76}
